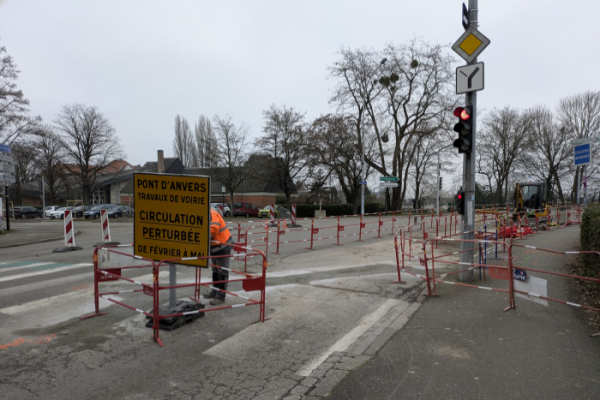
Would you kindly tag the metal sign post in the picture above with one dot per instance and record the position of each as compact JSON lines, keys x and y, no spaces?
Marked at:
{"x":7,"y":209}
{"x":469,"y":79}
{"x":7,"y":176}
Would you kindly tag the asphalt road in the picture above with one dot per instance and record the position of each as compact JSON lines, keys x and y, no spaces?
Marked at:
{"x":320,"y":304}
{"x":330,"y":311}
{"x":461,"y":345}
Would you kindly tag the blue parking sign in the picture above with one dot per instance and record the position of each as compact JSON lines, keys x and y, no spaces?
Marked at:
{"x":582,"y":154}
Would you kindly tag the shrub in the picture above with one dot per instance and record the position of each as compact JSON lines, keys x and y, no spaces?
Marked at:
{"x":590,"y":239}
{"x":331,"y":210}
{"x":373,"y":208}
{"x":338,"y":209}
{"x":305,"y":210}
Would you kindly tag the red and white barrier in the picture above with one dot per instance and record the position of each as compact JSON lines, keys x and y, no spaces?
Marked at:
{"x":252,"y":283}
{"x":272,"y":215}
{"x":69,"y":229}
{"x":104,"y":226}
{"x":293,"y":214}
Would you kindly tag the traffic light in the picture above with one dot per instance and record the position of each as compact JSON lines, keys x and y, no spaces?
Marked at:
{"x":460,"y":202}
{"x":464,"y":128}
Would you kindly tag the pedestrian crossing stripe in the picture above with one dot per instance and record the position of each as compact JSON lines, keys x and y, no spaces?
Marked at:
{"x":40,"y":270}
{"x":33,"y":265}
{"x":12,"y":264}
{"x":24,"y":265}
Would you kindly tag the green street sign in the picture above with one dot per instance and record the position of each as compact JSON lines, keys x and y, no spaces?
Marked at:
{"x":388,"y":179}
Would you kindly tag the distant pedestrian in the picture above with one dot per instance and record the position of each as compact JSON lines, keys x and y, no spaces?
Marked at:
{"x":220,"y":245}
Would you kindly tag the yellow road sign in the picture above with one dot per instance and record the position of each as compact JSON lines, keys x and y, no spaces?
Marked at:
{"x":171,"y":217}
{"x":470,"y":44}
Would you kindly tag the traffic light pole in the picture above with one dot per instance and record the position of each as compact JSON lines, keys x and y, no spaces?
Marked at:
{"x":467,"y":247}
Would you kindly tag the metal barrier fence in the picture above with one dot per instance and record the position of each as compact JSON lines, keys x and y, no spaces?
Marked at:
{"x":117,"y":265}
{"x":523,"y":271}
{"x":311,"y":233}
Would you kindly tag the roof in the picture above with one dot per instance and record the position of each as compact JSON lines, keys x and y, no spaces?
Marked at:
{"x":116,"y":166}
{"x":173,"y":165}
{"x":251,"y":184}
{"x":112,"y":167}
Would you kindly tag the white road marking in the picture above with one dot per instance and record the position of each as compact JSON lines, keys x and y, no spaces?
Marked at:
{"x":347,"y":340}
{"x":27,"y":266}
{"x":56,"y":309}
{"x":45,"y":272}
{"x":295,"y":272}
{"x":37,"y":286}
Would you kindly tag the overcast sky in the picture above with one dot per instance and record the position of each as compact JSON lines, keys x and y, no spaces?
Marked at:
{"x":141,"y":62}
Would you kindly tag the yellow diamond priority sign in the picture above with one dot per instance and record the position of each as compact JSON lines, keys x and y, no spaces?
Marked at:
{"x":470,"y":44}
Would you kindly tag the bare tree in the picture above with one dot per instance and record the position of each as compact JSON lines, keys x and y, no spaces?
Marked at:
{"x":232,"y":143}
{"x":13,"y":105}
{"x":549,"y":151}
{"x":183,"y":143}
{"x":284,"y":140}
{"x":424,"y":161}
{"x":333,"y":149}
{"x":206,"y":143}
{"x":50,"y":157}
{"x":404,"y":92}
{"x":504,"y":138}
{"x":24,"y":154}
{"x":90,"y":143}
{"x":580,"y":116}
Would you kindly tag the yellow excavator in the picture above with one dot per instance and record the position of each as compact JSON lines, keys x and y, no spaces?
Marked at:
{"x":530,"y":199}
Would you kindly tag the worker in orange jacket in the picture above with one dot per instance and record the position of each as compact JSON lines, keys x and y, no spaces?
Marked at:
{"x":220,"y":245}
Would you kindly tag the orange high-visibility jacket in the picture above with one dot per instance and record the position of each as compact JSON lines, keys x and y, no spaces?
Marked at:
{"x":219,"y":234}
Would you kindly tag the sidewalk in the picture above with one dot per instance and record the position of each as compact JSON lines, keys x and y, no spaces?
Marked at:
{"x":24,"y":233}
{"x":461,"y":345}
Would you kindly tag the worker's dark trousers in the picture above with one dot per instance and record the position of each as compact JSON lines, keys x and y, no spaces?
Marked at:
{"x":219,"y":274}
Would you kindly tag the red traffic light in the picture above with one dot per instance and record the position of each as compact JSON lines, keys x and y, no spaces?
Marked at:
{"x":462,"y":112}
{"x":459,"y":196}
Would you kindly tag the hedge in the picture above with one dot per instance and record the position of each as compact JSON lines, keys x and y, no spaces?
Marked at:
{"x":332,"y":210}
{"x":308,"y":210}
{"x":590,"y":239}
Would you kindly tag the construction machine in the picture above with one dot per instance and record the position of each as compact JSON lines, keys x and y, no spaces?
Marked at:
{"x":530,"y":200}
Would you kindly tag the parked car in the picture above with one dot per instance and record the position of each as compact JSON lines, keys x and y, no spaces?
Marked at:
{"x":27,"y":212}
{"x":127,"y":211}
{"x":266,"y":212}
{"x":49,"y":209}
{"x":59,"y":213}
{"x":79,"y":210}
{"x":94,"y":211}
{"x":244,"y":209}
{"x":114,"y":211}
{"x":223,"y":208}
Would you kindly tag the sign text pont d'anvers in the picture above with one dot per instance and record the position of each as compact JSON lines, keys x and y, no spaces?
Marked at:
{"x":171,"y":217}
